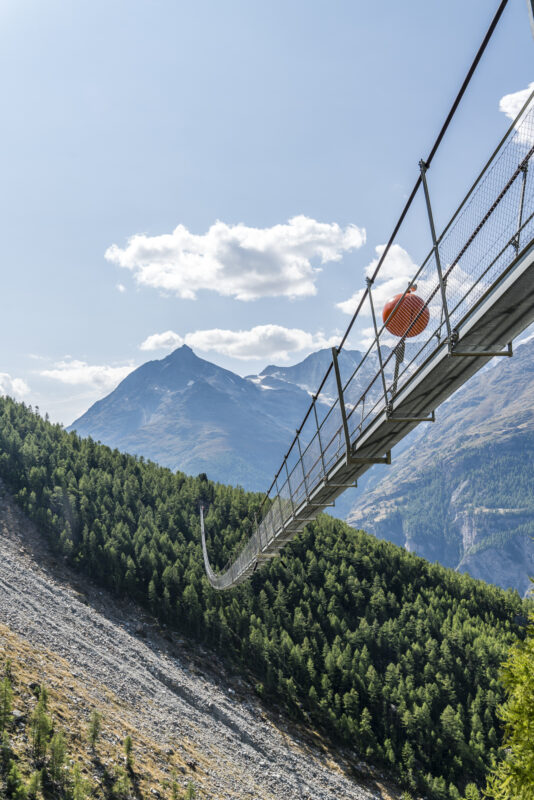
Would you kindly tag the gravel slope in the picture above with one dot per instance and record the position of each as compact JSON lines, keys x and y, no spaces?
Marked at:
{"x":179,"y":696}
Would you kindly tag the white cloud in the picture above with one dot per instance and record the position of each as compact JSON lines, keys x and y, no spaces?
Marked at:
{"x":236,"y":260}
{"x":511,"y":104}
{"x":262,"y":341}
{"x":76,"y":373}
{"x":13,"y":387}
{"x":121,"y":287}
{"x":162,"y":341}
{"x":394,"y":276}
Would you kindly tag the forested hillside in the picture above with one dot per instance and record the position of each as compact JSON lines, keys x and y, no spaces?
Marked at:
{"x":383,"y":651}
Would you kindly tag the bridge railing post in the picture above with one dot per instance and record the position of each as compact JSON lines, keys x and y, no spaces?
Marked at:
{"x":289,"y":488}
{"x":302,"y":466}
{"x":341,"y":400}
{"x":314,"y":402}
{"x":524,"y":170}
{"x":271,"y":515}
{"x":281,"y":508}
{"x":258,"y":528}
{"x":375,"y":326}
{"x":442,"y":286}
{"x":363,"y":413}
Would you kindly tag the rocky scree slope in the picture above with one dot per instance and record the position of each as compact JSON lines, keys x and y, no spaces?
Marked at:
{"x":209,"y":725}
{"x":461,"y":491}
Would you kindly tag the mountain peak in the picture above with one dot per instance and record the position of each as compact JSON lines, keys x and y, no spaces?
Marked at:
{"x":183,"y":350}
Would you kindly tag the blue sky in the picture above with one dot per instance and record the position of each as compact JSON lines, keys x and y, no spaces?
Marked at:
{"x":201,"y":130}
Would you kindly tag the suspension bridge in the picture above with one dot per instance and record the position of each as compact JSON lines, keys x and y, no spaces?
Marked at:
{"x":475,"y":289}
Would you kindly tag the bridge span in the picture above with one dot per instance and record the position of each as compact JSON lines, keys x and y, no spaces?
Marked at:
{"x":477,"y":282}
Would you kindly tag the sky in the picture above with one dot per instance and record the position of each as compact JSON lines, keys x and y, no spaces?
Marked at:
{"x":222,"y":174}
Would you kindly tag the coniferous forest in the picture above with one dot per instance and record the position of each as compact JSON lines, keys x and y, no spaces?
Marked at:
{"x":390,"y":655}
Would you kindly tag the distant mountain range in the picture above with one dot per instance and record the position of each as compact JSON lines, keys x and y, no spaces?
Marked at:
{"x":189,"y":414}
{"x":460,"y":491}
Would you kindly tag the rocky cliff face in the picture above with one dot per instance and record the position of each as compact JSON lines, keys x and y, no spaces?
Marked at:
{"x":462,"y":491}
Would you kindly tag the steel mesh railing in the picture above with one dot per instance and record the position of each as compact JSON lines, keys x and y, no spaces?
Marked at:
{"x":491,"y":226}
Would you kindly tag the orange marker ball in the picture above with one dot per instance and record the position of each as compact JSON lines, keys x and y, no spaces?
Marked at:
{"x":409,"y":319}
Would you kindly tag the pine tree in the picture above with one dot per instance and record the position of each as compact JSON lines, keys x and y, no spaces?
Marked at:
{"x":366,"y":730}
{"x":451,"y":725}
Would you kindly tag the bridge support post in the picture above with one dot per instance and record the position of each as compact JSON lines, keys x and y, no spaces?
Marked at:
{"x":423,"y":167}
